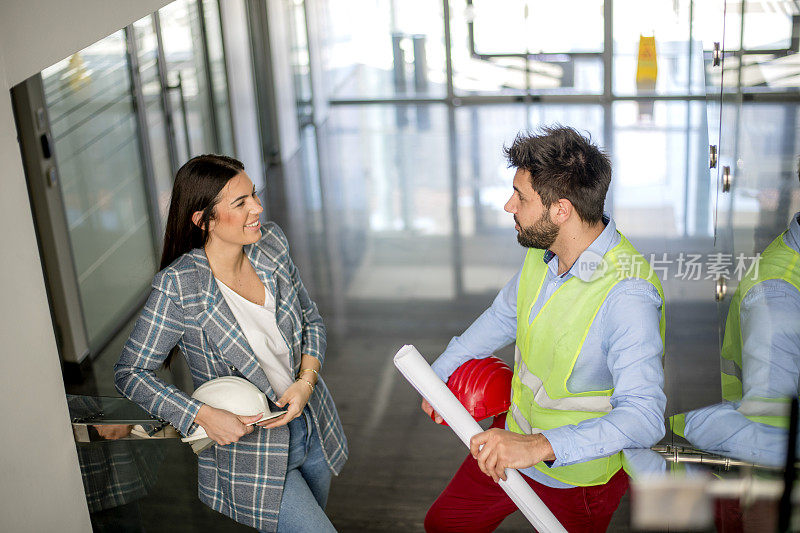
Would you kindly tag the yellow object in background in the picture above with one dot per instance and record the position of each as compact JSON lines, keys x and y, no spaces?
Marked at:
{"x":77,"y":74}
{"x":647,"y":65}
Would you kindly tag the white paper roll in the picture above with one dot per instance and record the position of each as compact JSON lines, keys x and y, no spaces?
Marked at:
{"x":419,"y":373}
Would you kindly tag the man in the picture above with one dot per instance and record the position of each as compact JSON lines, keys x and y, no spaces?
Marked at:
{"x":586,"y":312}
{"x":760,"y":361}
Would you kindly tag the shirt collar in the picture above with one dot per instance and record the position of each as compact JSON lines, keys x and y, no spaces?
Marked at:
{"x":792,"y":237}
{"x":592,"y":256}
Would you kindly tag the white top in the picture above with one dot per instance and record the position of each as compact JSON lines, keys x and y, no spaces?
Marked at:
{"x":260,"y":327}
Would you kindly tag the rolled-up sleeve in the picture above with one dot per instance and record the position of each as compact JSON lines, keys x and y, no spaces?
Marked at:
{"x":634,"y":347}
{"x":158,"y":329}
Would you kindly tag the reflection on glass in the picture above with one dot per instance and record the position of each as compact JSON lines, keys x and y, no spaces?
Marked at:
{"x":186,"y":73}
{"x":219,"y":79}
{"x":679,"y":54}
{"x":94,"y":130}
{"x":147,"y":49}
{"x":515,"y":47}
{"x":394,"y":204}
{"x":117,"y":473}
{"x":769,"y":28}
{"x":661,"y":169}
{"x":378,"y":59}
{"x":760,"y":361}
{"x":761,"y":46}
{"x":299,"y":58}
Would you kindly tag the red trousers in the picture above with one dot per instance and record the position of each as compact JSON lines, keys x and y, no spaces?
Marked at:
{"x":474,"y":502}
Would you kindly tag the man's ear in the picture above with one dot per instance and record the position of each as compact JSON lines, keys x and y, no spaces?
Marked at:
{"x":561,"y":210}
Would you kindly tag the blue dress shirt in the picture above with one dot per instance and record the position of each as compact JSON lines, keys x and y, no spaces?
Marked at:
{"x":770,"y":321}
{"x":623,"y":350}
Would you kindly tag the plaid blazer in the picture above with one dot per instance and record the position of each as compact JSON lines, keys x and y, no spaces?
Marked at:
{"x":243,"y":480}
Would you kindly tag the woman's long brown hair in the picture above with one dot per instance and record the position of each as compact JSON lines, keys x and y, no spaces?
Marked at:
{"x":196,"y":188}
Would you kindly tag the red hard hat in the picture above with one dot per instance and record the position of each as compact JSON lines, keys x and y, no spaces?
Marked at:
{"x":483,"y":386}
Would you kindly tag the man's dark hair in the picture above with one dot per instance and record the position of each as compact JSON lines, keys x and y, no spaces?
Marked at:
{"x":564,"y":164}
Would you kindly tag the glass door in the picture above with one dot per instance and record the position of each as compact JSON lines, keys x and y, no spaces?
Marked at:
{"x":187,"y":76}
{"x":102,"y":133}
{"x":156,"y":108}
{"x":96,"y":141}
{"x":107,"y":128}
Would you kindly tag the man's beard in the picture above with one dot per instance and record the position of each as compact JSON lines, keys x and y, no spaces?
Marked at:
{"x":542,"y":234}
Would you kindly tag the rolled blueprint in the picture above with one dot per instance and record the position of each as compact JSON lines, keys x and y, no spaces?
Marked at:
{"x":419,"y":373}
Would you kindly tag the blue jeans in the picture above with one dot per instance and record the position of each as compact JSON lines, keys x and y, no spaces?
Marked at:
{"x":308,"y":480}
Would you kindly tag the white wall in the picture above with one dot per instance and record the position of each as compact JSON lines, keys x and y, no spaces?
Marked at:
{"x":40,"y":486}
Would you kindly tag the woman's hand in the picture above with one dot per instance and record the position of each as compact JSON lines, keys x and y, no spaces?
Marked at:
{"x":295,"y":399}
{"x":223,"y":426}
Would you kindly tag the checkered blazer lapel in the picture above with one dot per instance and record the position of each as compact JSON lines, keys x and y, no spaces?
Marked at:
{"x":217,"y":320}
{"x":275,"y":276}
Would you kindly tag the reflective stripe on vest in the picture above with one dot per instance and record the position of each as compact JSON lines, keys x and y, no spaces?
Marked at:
{"x":599,"y":404}
{"x":778,"y":262}
{"x":764,"y":407}
{"x":540,"y":398}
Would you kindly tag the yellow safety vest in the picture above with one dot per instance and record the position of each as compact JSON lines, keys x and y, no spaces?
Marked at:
{"x":548,"y":347}
{"x":778,"y":261}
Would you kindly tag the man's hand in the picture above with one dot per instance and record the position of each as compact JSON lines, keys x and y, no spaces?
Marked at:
{"x":505,"y":449}
{"x":430,"y":412}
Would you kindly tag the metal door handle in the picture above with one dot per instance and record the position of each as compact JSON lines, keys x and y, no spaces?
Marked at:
{"x":716,"y":56}
{"x":726,"y":179}
{"x":184,"y":114}
{"x":721,"y":289}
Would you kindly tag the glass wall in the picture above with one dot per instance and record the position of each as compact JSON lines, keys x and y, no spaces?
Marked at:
{"x":753,"y":372}
{"x":159,"y":128}
{"x":118,"y":118}
{"x":696,"y":102}
{"x":402,"y":188}
{"x":513,"y":47}
{"x":400,"y":52}
{"x":124,"y":114}
{"x":212,"y":30}
{"x":187,"y":78}
{"x":95,"y":136}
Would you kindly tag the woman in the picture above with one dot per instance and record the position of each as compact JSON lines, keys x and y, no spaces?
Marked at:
{"x":230,"y":299}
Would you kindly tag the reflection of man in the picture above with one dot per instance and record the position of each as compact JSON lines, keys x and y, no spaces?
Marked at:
{"x":586,"y":313}
{"x":760,"y":360}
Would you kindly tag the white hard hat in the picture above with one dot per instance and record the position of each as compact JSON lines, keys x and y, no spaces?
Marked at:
{"x":233,"y":394}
